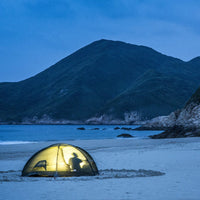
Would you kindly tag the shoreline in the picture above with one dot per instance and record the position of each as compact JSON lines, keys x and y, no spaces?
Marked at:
{"x":76,"y":124}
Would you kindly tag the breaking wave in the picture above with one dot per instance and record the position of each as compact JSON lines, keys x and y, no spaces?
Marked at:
{"x":14,"y":142}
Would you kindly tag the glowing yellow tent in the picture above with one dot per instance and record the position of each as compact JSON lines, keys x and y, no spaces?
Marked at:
{"x":60,"y":160}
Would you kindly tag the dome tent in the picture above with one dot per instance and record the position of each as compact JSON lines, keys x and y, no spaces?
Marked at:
{"x":60,"y":160}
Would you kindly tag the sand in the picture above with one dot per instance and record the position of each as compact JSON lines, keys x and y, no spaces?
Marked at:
{"x":167,"y":169}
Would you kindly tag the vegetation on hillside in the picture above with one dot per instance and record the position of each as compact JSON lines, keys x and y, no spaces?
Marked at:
{"x":104,"y":78}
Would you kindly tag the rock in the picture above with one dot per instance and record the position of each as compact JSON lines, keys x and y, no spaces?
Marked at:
{"x":178,"y":132}
{"x":127,"y":129}
{"x":132,"y":117}
{"x":116,"y":128}
{"x":95,"y":129}
{"x":125,"y":135}
{"x":154,"y":128}
{"x":160,"y":123}
{"x":181,"y":123}
{"x":81,"y":128}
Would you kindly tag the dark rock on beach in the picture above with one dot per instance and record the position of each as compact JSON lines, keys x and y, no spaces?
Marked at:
{"x":125,"y":135}
{"x":81,"y":128}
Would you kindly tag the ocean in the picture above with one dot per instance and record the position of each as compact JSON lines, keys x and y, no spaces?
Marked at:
{"x":16,"y":134}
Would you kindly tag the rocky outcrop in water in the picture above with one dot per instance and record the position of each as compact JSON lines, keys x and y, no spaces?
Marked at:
{"x":187,"y":117}
{"x":178,"y":132}
{"x":181,"y":123}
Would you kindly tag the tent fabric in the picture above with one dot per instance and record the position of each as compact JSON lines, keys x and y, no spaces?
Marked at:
{"x":60,"y":160}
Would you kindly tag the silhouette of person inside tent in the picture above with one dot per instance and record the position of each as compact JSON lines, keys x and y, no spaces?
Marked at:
{"x":74,"y":163}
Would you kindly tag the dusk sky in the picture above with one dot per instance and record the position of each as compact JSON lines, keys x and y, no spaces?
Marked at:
{"x":34,"y":34}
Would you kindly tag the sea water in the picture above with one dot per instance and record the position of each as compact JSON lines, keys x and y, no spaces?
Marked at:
{"x":16,"y":134}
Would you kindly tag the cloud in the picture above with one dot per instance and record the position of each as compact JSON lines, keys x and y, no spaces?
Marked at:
{"x":37,"y":33}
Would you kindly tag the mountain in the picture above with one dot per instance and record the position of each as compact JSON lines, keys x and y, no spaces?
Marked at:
{"x":181,"y":123}
{"x":105,"y":80}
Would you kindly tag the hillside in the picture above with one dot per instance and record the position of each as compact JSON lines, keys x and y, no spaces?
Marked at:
{"x":106,"y":78}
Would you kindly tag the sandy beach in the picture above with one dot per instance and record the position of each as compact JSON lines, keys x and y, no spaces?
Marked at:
{"x":129,"y":169}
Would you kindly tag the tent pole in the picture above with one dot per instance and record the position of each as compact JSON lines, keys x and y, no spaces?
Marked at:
{"x":56,"y":174}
